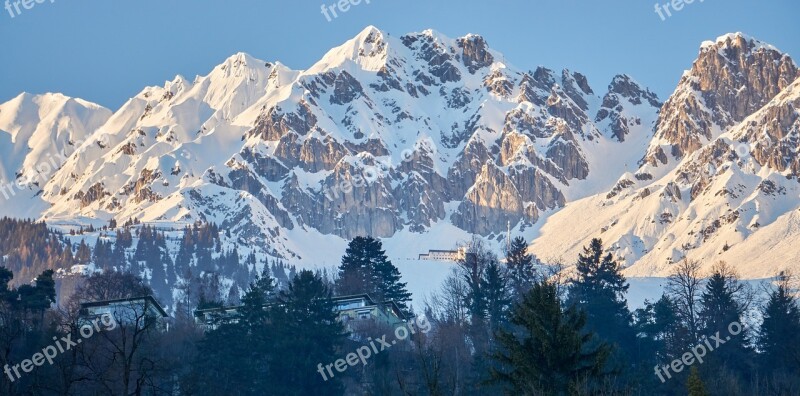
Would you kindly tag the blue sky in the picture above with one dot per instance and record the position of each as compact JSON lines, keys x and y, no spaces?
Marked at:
{"x":107,"y":51}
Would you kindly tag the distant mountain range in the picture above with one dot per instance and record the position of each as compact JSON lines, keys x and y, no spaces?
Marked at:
{"x":423,"y":140}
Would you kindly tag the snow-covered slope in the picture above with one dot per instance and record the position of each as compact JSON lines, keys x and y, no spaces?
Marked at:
{"x":424,"y":140}
{"x":383,"y":136}
{"x":734,"y":198}
{"x":732,"y":77}
{"x":37,"y":135}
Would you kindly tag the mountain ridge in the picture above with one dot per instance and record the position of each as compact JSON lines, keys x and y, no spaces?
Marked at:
{"x":440,"y":132}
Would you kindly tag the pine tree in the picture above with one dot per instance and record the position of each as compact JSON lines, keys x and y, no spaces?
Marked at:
{"x":662,"y":328}
{"x":279,"y":272}
{"x":549,"y":350}
{"x":84,"y":254}
{"x":498,"y":296}
{"x":472,"y":267}
{"x":305,"y":319}
{"x":102,"y":255}
{"x":123,"y":241}
{"x":45,"y":292}
{"x":237,"y":358}
{"x":600,"y":291}
{"x":5,"y":277}
{"x":233,"y":298}
{"x":694,"y":384}
{"x":387,"y":278}
{"x":521,"y":272}
{"x":355,"y":272}
{"x":259,"y":295}
{"x":779,"y":339}
{"x":366,"y":269}
{"x":719,"y":309}
{"x":185,"y":252}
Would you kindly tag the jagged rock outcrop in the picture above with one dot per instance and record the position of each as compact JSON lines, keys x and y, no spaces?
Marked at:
{"x":384,"y":135}
{"x":734,"y":124}
{"x":490,"y":204}
{"x":731,"y":78}
{"x":623,"y":88}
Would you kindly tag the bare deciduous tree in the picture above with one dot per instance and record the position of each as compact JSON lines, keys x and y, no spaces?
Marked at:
{"x":684,"y":287}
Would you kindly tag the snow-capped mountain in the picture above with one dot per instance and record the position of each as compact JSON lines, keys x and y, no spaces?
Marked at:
{"x":38,"y":133}
{"x":727,"y":145}
{"x":382,"y":135}
{"x":414,"y":137}
{"x":732,"y":77}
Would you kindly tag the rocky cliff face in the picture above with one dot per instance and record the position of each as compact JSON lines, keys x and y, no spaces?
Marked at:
{"x":621,"y":90}
{"x":403,"y":137}
{"x":382,"y":135}
{"x":731,"y":78}
{"x":720,"y":180}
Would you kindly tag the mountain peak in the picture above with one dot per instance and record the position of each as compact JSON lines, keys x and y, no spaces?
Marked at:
{"x":628,"y":87}
{"x":368,"y":32}
{"x":368,"y":49}
{"x":737,"y":40}
{"x":241,"y":59}
{"x":731,"y":78}
{"x":434,"y":34}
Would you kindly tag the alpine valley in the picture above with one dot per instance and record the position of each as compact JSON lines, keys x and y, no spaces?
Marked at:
{"x":424,"y":141}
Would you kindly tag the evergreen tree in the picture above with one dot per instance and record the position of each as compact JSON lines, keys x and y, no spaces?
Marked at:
{"x":39,"y":297}
{"x":694,"y":384}
{"x":665,"y":336}
{"x":387,"y":279}
{"x":549,"y":350}
{"x":498,"y":296}
{"x":355,"y":272}
{"x":233,"y":298}
{"x":260,"y":294}
{"x":84,"y":254}
{"x":600,"y":290}
{"x":237,"y":358}
{"x":185,"y":252}
{"x":275,"y":346}
{"x":124,"y":240}
{"x":521,"y":272}
{"x":366,"y":269}
{"x":102,"y":254}
{"x":5,"y":277}
{"x":719,"y":309}
{"x":305,"y":319}
{"x":779,"y":338}
{"x":279,"y":272}
{"x":472,"y":267}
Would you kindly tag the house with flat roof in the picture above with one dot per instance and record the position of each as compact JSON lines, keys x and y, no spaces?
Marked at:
{"x":444,"y":255}
{"x":360,"y":310}
{"x":354,"y":311}
{"x":126,"y":311}
{"x":212,"y":318}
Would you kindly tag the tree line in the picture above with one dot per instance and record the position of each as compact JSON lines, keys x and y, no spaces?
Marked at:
{"x":513,"y":325}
